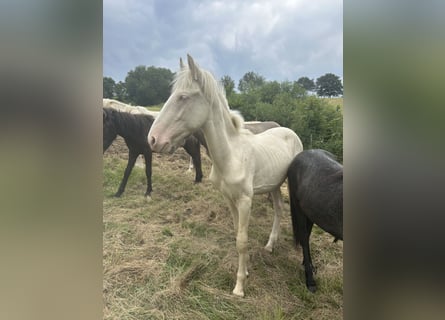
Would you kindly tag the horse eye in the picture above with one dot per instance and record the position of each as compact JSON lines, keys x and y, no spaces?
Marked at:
{"x":183,"y":97}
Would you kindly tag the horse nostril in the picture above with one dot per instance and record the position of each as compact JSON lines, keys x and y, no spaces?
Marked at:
{"x":152,"y":141}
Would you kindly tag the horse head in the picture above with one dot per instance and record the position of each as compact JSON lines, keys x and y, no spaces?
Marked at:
{"x":185,"y":111}
{"x":109,"y":128}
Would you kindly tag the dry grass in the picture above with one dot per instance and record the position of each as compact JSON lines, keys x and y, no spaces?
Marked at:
{"x":175,"y":258}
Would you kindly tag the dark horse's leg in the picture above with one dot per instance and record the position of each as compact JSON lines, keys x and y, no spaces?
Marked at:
{"x":193,"y":148}
{"x":309,"y":225}
{"x":148,"y":158}
{"x":132,"y":156}
{"x":302,"y":228}
{"x":305,"y":227}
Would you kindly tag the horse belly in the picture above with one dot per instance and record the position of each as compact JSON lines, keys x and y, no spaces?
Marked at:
{"x":271,"y":169}
{"x":322,"y":203}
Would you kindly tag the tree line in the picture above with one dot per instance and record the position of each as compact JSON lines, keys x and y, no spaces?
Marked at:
{"x":298,"y":105}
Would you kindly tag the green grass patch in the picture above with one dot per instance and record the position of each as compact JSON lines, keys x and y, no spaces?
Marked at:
{"x":155,"y":107}
{"x":335,"y":102}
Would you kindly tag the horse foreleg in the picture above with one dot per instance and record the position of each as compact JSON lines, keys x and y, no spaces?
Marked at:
{"x":132,"y":156}
{"x":234,"y":212}
{"x":148,"y":156}
{"x":278,"y":208}
{"x":191,"y":166}
{"x":193,"y":148}
{"x":198,"y":167}
{"x":243,"y":205}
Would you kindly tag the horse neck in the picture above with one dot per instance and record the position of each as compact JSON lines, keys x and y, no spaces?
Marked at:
{"x":219,"y":132}
{"x":110,"y":138}
{"x":130,"y":126}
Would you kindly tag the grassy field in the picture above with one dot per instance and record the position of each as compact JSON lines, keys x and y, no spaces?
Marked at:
{"x":174,"y":257}
{"x":335,"y":102}
{"x":156,"y":107}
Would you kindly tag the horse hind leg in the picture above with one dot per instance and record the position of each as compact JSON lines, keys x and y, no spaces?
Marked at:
{"x":305,"y":227}
{"x":302,"y":228}
{"x":278,"y":208}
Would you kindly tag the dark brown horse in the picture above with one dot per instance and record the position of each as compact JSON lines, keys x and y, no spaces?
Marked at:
{"x":133,"y":128}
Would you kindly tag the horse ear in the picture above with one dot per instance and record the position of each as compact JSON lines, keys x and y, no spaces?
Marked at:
{"x":194,"y":69}
{"x":181,"y":64}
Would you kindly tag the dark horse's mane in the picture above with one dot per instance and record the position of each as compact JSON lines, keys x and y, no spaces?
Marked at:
{"x":134,"y":128}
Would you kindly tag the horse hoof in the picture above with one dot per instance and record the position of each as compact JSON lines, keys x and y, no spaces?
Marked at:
{"x":148,"y":197}
{"x":238,"y":293}
{"x":117,"y":195}
{"x":312,"y":288}
{"x":268,"y":248}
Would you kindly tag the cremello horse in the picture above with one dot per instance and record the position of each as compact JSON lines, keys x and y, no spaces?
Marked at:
{"x":243,"y":164}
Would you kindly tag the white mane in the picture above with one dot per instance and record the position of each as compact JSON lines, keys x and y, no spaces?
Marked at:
{"x":238,"y":122}
{"x":120,"y":106}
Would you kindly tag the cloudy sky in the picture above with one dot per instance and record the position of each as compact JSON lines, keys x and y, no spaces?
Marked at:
{"x":280,"y":40}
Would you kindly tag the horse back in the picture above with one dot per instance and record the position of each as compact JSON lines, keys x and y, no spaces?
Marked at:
{"x":315,"y":181}
{"x":258,"y":127}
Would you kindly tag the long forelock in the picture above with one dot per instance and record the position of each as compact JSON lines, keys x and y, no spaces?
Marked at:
{"x":182,"y":80}
{"x":212,"y":90}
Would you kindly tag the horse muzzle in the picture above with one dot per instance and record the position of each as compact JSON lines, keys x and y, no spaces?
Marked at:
{"x":158,"y":144}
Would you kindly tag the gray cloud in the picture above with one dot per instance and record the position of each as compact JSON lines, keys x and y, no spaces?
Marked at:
{"x":281,"y":40}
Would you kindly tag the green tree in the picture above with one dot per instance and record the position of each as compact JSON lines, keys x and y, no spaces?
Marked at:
{"x":306,"y":83}
{"x":246,"y":103}
{"x":250,"y":81}
{"x":265,"y":112}
{"x":319,"y":125}
{"x":148,"y":85}
{"x":283,"y":106}
{"x":329,"y":85}
{"x":229,"y":85}
{"x":293,"y":88}
{"x":121,"y":92}
{"x":108,"y":87}
{"x":268,"y":91}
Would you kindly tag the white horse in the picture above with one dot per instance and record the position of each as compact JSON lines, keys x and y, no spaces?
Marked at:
{"x":117,"y":105}
{"x":243,"y":164}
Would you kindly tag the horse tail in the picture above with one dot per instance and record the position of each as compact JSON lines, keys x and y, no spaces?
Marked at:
{"x":294,"y":206}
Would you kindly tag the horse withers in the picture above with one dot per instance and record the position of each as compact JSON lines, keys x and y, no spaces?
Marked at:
{"x":315,"y":182}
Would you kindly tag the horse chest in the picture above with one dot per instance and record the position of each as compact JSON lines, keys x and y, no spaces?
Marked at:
{"x":229,"y":185}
